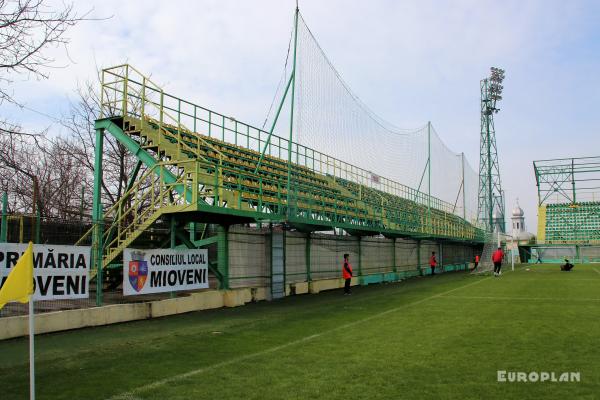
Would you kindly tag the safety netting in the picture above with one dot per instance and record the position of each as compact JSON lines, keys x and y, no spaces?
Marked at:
{"x":338,"y":135}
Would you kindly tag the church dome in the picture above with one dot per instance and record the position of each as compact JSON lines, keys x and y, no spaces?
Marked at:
{"x":517,"y":211}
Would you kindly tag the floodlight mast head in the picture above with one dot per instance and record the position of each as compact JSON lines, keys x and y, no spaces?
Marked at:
{"x":494,"y":88}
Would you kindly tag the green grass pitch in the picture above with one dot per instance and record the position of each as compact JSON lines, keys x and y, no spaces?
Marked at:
{"x":442,"y":337}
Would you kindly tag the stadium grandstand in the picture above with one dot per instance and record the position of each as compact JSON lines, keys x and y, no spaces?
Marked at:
{"x":569,"y":208}
{"x":326,"y":163}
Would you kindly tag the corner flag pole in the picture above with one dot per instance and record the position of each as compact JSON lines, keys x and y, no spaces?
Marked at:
{"x":19,"y":286}
{"x":31,"y":351}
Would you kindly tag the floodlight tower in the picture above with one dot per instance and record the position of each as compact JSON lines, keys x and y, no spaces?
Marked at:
{"x":491,"y":210}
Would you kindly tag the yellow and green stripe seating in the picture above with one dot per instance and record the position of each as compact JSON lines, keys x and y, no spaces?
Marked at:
{"x":572,"y":222}
{"x":267,"y":187}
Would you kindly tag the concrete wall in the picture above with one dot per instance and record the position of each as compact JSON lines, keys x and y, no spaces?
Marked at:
{"x":11,"y":327}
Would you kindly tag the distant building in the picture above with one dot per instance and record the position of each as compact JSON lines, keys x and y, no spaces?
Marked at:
{"x":519,"y":234}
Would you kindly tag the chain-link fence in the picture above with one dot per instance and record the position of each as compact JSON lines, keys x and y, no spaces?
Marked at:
{"x":249,"y":257}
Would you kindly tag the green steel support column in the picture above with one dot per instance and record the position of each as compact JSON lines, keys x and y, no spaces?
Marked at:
{"x":223,"y":255}
{"x":172,"y":231}
{"x":289,"y":166}
{"x":394,"y":268}
{"x":97,"y":206}
{"x":578,"y":253}
{"x":97,"y":251}
{"x":307,"y":256}
{"x":193,"y":231}
{"x":97,"y":218}
{"x":4,"y":226}
{"x":419,"y":257}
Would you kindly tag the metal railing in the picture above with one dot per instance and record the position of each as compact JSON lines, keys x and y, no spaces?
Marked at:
{"x":127,"y":92}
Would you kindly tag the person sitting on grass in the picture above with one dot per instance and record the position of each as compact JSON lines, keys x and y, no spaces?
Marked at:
{"x":567,"y":266}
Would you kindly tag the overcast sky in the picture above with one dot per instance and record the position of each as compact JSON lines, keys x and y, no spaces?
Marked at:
{"x":409,"y":61}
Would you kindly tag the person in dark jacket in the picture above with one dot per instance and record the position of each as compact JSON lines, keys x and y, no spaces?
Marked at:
{"x":567,"y":266}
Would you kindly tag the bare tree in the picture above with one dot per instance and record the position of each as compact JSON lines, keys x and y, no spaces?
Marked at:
{"x":27,"y":29}
{"x":118,"y":162}
{"x":41,"y":176}
{"x":47,"y":175}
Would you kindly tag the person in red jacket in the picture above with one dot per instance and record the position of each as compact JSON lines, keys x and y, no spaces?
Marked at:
{"x":497,"y":260}
{"x":476,"y":261}
{"x":432,"y":262}
{"x":347,"y":274}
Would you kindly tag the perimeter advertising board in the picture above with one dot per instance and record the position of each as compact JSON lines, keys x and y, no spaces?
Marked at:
{"x":60,"y":272}
{"x":164,"y":270}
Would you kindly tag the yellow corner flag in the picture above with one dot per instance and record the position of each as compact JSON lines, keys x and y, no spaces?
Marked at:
{"x":19,"y":284}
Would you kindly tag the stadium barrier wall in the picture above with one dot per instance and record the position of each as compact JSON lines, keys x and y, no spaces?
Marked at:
{"x":17,"y":326}
{"x":312,"y":265}
{"x":11,"y":327}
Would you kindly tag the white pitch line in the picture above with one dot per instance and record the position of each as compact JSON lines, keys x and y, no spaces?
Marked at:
{"x":131,"y":394}
{"x":518,"y":298}
{"x":565,"y":280}
{"x":596,"y":270}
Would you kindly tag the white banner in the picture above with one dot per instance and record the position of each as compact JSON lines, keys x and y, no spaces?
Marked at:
{"x":60,"y":272}
{"x":164,"y":270}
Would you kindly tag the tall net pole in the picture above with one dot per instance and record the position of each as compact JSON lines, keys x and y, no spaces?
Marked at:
{"x":290,"y":142}
{"x":491,"y":209}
